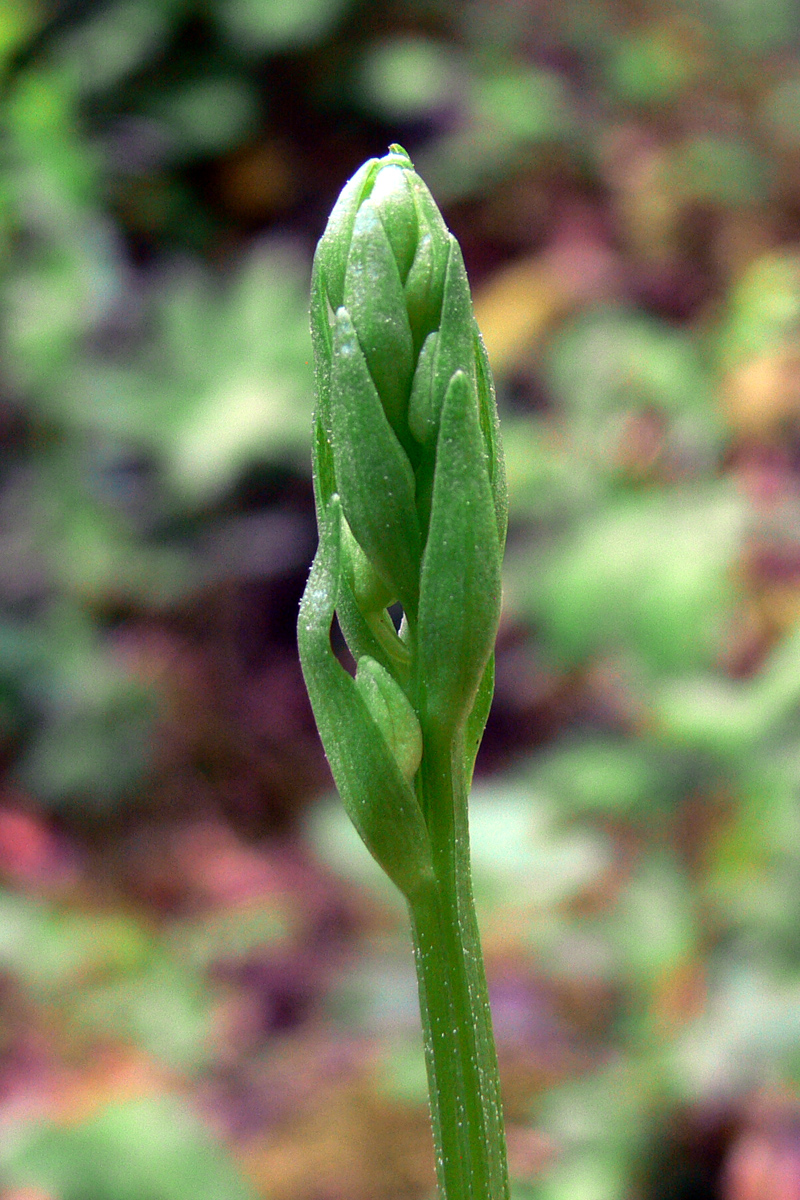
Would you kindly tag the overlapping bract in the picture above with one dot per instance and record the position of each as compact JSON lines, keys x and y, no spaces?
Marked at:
{"x":411,"y":505}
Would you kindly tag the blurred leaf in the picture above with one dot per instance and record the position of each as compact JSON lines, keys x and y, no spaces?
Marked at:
{"x":525,"y":105}
{"x":597,"y":1120}
{"x":655,"y":928}
{"x":53,"y":952}
{"x":207,"y":116}
{"x":224,"y":385}
{"x":753,"y":862}
{"x":649,"y":573}
{"x":780,"y":113}
{"x":403,"y":78}
{"x":611,"y":368}
{"x":750,"y":1025}
{"x":609,"y":360}
{"x":721,"y":170}
{"x":378,"y":997}
{"x":510,"y":113}
{"x":754,"y":26}
{"x":277,"y":25}
{"x":403,"y":1075}
{"x":103,"y":50}
{"x":601,"y":775}
{"x":166,"y":1010}
{"x":593,"y":1177}
{"x":154,"y":1148}
{"x":545,"y":478}
{"x":233,"y":935}
{"x":730,"y":718}
{"x":94,"y":741}
{"x":654,"y":65}
{"x":18,"y":20}
{"x":54,"y":171}
{"x":516,"y":851}
{"x":763,"y":309}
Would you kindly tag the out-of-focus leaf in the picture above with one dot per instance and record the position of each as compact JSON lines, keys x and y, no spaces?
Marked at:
{"x":516,"y":307}
{"x":654,"y":65}
{"x":224,"y":385}
{"x":18,"y":20}
{"x":379,"y":996}
{"x":649,"y":574}
{"x":655,"y":929}
{"x":590,"y":1177}
{"x":749,"y":1026}
{"x":511,"y":113}
{"x":155,"y":1148}
{"x":403,"y":78}
{"x":94,"y":739}
{"x":780,"y":113}
{"x":72,"y":949}
{"x":601,"y":775}
{"x":166,"y":1010}
{"x":609,"y":360}
{"x":721,"y":170}
{"x":527,"y":106}
{"x":254,"y":26}
{"x":545,"y":478}
{"x":207,"y":116}
{"x":402,"y":1072}
{"x":597,"y":1121}
{"x":731,"y":718}
{"x":752,"y":26}
{"x":763,"y":309}
{"x":233,"y":935}
{"x":753,"y":862}
{"x":516,"y":850}
{"x":102,"y":51}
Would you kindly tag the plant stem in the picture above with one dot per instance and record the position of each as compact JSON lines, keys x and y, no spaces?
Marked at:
{"x":463,"y":1077}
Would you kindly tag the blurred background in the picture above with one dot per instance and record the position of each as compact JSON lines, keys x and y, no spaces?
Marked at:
{"x":206,"y":987}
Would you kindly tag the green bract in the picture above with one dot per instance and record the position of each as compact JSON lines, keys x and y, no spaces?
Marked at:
{"x":411,"y":508}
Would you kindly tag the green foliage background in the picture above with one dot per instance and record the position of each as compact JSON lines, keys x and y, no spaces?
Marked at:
{"x":623,"y":179}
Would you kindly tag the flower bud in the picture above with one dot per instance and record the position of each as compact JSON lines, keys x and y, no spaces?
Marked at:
{"x":393,"y":200}
{"x":384,"y":333}
{"x":391,"y":711}
{"x":406,"y":435}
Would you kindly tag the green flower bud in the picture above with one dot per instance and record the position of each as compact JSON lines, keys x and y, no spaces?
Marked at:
{"x":424,"y":286}
{"x":384,"y":333}
{"x":393,"y":200}
{"x":406,"y":442}
{"x":373,"y":474}
{"x":392,"y":713}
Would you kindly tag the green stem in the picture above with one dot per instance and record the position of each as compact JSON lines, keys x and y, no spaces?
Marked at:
{"x":463,"y":1077}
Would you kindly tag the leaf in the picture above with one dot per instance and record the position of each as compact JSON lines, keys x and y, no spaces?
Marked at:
{"x":379,"y":801}
{"x":373,"y":475}
{"x":460,"y":579}
{"x":454,"y":346}
{"x":476,"y":721}
{"x":374,"y":299}
{"x":153,"y":1147}
{"x":490,"y":427}
{"x":259,"y":25}
{"x":330,"y":260}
